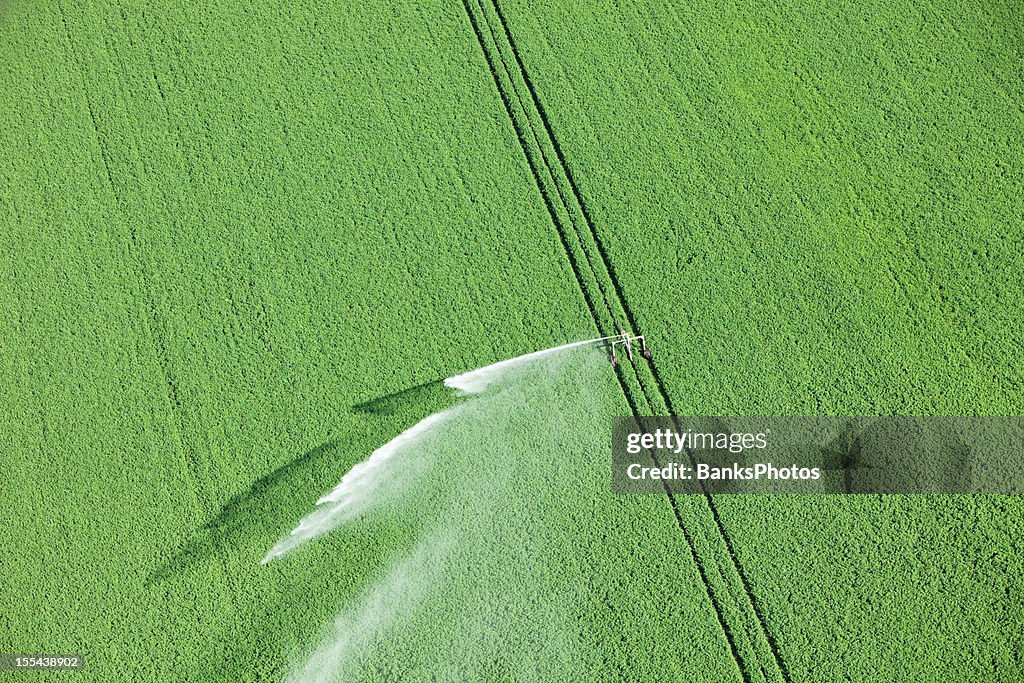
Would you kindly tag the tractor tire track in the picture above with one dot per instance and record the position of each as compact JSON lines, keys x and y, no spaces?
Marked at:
{"x":662,"y":393}
{"x":542,"y":174}
{"x":152,"y":321}
{"x":738,"y":650}
{"x":538,"y":170}
{"x":756,"y":653}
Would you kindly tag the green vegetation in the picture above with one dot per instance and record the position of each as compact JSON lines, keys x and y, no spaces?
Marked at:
{"x":243,"y":244}
{"x":820,"y":222}
{"x":521,"y":566}
{"x":214,"y":253}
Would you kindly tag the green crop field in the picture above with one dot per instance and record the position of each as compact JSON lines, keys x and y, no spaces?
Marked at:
{"x":245,"y":244}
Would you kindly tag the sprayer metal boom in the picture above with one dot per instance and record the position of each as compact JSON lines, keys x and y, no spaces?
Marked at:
{"x":625,"y":340}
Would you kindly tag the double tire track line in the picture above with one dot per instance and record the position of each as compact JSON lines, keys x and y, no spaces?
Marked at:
{"x":751,"y":644}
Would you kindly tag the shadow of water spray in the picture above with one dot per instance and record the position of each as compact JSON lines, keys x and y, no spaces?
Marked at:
{"x":263,"y":507}
{"x":253,"y":509}
{"x":394,"y":466}
{"x":499,"y":483}
{"x":427,"y":394}
{"x":372,"y":482}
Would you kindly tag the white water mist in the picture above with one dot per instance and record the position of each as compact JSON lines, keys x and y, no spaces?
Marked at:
{"x":493,"y":480}
{"x":359,"y":489}
{"x":479,"y":380}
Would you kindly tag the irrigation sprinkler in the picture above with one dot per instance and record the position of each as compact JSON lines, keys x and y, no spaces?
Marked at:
{"x":625,"y":340}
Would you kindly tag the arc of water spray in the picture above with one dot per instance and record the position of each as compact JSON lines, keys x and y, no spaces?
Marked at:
{"x":477,"y":381}
{"x":354,"y":493}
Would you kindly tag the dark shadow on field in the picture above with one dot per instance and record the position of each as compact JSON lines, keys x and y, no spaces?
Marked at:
{"x":260,"y":506}
{"x":268,"y":507}
{"x":302,"y":595}
{"x":899,"y":454}
{"x":842,"y":456}
{"x":400,"y":401}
